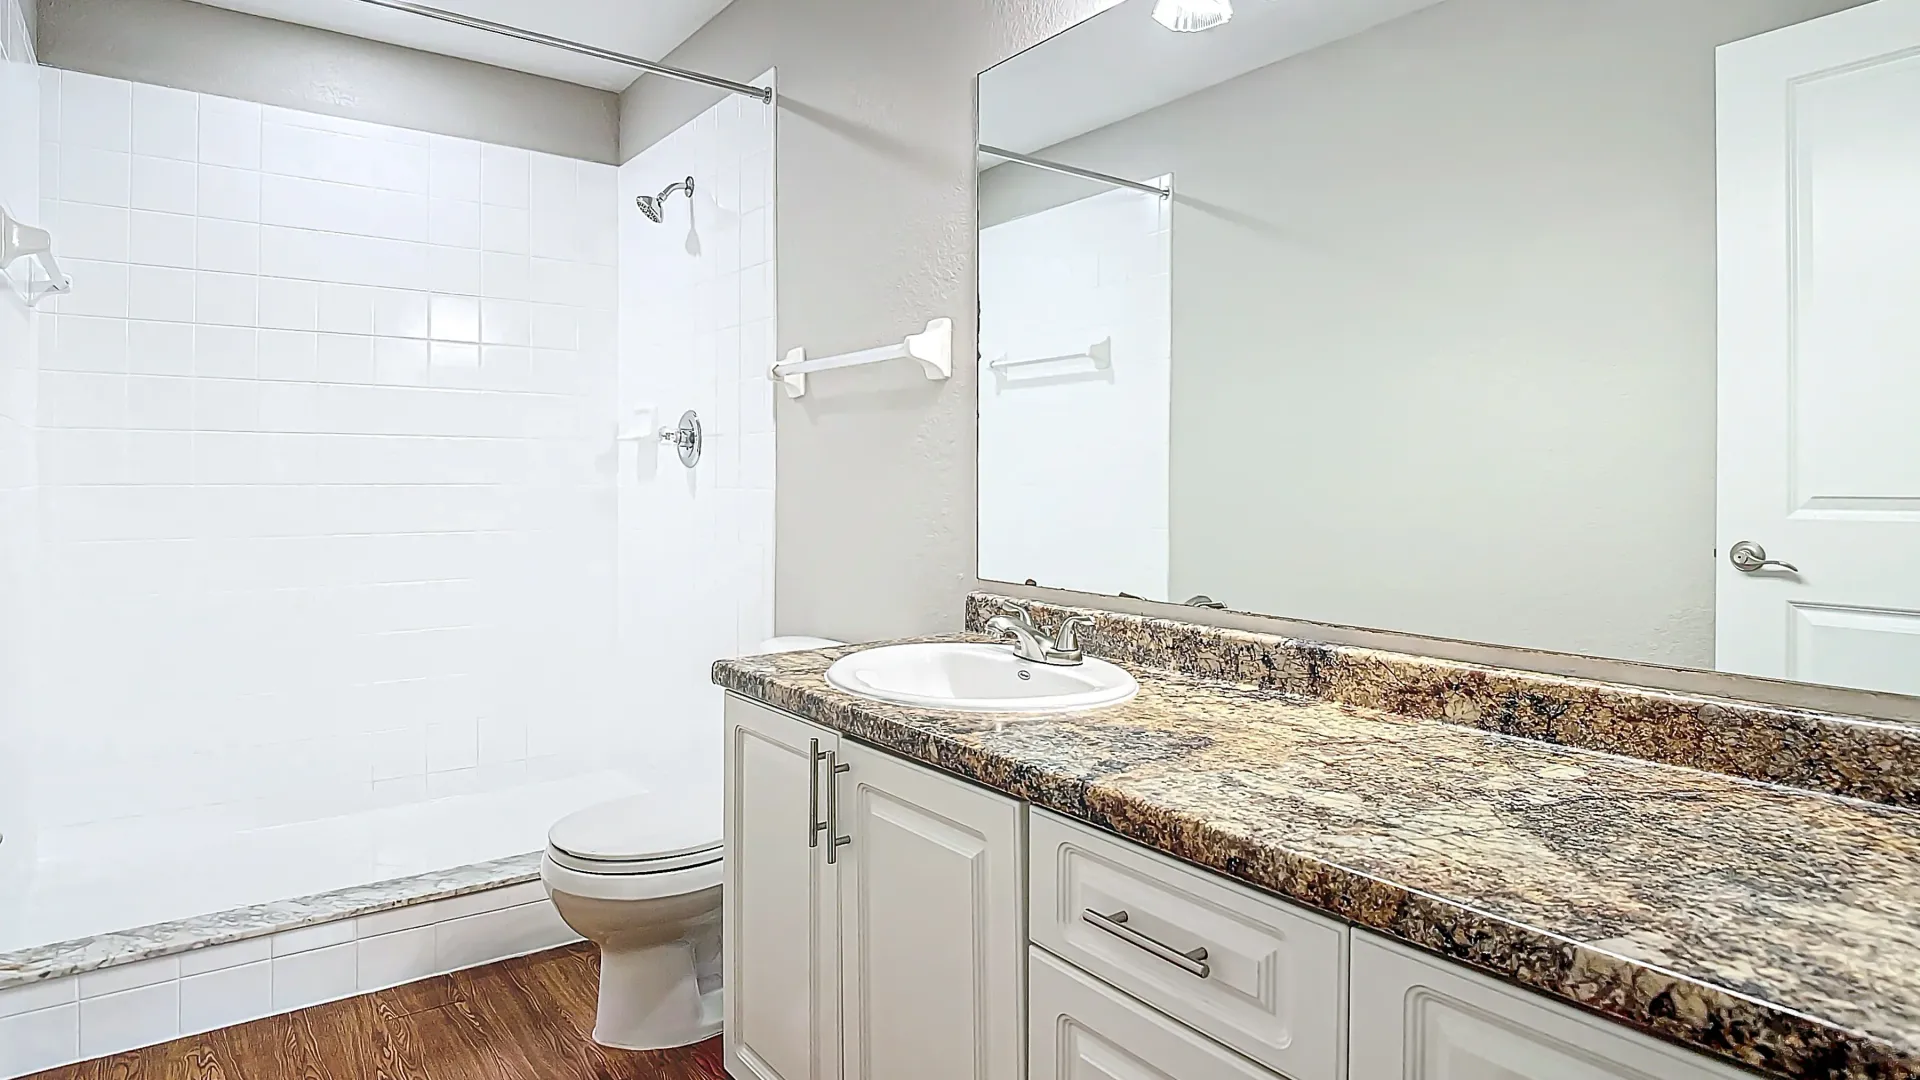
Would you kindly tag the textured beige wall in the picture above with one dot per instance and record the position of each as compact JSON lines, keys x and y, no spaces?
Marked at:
{"x":212,"y":50}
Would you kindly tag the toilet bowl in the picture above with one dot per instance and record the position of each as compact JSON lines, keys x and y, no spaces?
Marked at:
{"x":640,"y":878}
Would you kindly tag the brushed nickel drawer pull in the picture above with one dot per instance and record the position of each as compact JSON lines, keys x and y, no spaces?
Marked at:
{"x":814,"y":757}
{"x":1192,"y":962}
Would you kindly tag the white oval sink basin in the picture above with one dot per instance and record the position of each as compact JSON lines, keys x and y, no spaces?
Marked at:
{"x":978,"y":678}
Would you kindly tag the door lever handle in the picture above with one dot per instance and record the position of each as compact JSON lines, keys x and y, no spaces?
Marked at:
{"x":1749,"y":558}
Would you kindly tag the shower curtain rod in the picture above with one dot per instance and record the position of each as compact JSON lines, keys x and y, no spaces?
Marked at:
{"x":1072,"y":170}
{"x":763,"y":94}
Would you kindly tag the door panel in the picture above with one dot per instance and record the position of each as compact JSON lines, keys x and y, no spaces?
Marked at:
{"x":931,"y":926}
{"x":782,"y":929}
{"x":1420,"y":1018}
{"x":1082,"y":1029}
{"x":1819,"y":264}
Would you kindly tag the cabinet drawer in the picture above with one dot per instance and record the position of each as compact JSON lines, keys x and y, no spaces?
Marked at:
{"x":1272,"y":983}
{"x":1417,"y":1017}
{"x":1081,"y":1029}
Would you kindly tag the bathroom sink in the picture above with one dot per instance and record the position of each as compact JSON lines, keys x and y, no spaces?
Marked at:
{"x":978,"y":678}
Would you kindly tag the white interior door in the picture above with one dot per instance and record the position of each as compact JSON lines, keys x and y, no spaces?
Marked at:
{"x":1819,"y":152}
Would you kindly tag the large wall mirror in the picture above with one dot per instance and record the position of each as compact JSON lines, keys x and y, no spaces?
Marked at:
{"x":1584,"y":327}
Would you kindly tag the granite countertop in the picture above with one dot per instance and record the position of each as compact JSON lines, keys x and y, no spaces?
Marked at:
{"x":1769,"y":926}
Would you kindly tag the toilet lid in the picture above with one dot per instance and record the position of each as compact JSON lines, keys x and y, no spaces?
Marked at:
{"x":639,"y":829}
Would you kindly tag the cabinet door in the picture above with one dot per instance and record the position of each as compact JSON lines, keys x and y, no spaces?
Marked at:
{"x":932,"y":930}
{"x":782,"y":931}
{"x":1417,"y":1017}
{"x":1083,"y":1029}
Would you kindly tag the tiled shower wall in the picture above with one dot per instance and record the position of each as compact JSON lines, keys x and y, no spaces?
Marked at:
{"x":325,"y":465}
{"x":19,"y":529}
{"x":696,"y":332}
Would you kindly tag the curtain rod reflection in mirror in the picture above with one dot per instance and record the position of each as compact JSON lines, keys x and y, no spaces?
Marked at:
{"x":764,"y":94}
{"x":1074,"y":170}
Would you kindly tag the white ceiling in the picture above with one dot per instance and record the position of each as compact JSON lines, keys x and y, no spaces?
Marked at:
{"x":1121,"y":63}
{"x":648,"y":29}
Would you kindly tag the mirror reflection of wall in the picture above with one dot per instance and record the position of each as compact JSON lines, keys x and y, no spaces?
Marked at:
{"x":1445,"y":326}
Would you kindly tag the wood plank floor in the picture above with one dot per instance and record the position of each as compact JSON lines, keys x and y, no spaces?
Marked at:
{"x":524,"y":1019}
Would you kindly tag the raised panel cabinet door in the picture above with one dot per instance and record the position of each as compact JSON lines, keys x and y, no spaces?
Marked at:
{"x":932,"y":931}
{"x":782,"y":950}
{"x":1416,"y":1017}
{"x":1083,"y":1029}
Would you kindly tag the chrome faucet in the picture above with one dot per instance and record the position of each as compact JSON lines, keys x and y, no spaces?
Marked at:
{"x":1029,"y":643}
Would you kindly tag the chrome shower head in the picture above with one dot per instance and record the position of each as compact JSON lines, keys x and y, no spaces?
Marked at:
{"x":654,"y":206}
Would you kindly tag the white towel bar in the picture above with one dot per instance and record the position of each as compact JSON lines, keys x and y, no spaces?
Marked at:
{"x":22,"y":241}
{"x":1100,"y":352}
{"x":932,"y":348}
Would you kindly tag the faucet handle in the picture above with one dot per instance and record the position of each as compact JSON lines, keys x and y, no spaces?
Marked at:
{"x":1068,"y":639}
{"x":1014,"y":608}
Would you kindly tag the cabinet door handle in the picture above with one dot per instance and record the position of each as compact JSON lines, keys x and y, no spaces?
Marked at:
{"x":1193,"y":962}
{"x":814,"y":824}
{"x":834,"y":768}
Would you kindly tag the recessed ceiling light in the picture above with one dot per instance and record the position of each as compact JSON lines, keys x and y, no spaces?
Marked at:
{"x":1191,"y":16}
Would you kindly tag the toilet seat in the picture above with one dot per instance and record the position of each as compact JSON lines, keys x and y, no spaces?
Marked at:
{"x":633,"y":848}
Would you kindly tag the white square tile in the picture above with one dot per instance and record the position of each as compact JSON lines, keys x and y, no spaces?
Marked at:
{"x":160,"y":403}
{"x":396,"y":958}
{"x":289,"y":355}
{"x":455,"y":224}
{"x":504,"y":276}
{"x":89,"y":344}
{"x":81,"y":399}
{"x":345,"y":309}
{"x":130,"y":1019}
{"x":455,"y":270}
{"x":455,"y":168}
{"x":496,"y":935}
{"x":504,"y":176}
{"x":398,"y":313}
{"x":397,"y":753}
{"x":166,"y":122}
{"x":49,"y":104}
{"x":39,"y":1040}
{"x":160,"y":348}
{"x":232,"y":954}
{"x":454,"y":318}
{"x":453,"y":744}
{"x":286,"y":304}
{"x":225,"y":299}
{"x":344,"y":358}
{"x":229,"y":133}
{"x":90,"y":231}
{"x":310,"y":978}
{"x":95,"y":176}
{"x":506,"y":322}
{"x":226,"y":352}
{"x":99,"y":288}
{"x":502,"y":739}
{"x":231,"y":247}
{"x":96,"y":112}
{"x":157,"y":239}
{"x":400,"y":362}
{"x":44,"y":994}
{"x":228,"y":193}
{"x":226,"y":997}
{"x":503,"y":229}
{"x":161,"y":293}
{"x":160,"y":457}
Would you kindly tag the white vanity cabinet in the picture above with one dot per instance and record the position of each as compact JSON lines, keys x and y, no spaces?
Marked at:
{"x":897,"y":951}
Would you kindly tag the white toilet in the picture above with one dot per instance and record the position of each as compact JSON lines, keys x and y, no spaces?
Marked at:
{"x":640,"y":878}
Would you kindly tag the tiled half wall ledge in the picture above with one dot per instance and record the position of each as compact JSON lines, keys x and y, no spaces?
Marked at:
{"x":101,"y":995}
